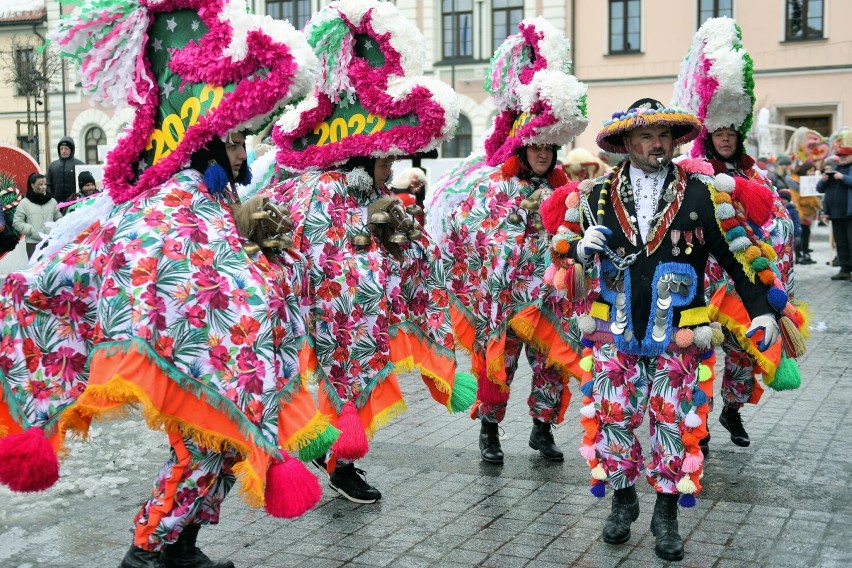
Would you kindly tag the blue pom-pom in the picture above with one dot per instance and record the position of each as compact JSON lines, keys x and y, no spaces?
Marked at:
{"x":687,"y":501}
{"x":587,"y":387}
{"x":215,"y":178}
{"x":735,"y":233}
{"x":777,"y":298}
{"x":587,"y":342}
{"x":598,"y":489}
{"x":706,"y":355}
{"x":698,"y":397}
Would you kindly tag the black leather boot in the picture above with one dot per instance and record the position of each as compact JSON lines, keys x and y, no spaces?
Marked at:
{"x":184,"y":554}
{"x":704,"y":445}
{"x":489,"y":443}
{"x":140,"y":558}
{"x":664,"y":526}
{"x":541,"y":439}
{"x":732,"y":421}
{"x":625,"y":510}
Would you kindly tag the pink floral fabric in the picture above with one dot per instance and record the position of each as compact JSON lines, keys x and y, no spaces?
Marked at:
{"x":625,"y":388}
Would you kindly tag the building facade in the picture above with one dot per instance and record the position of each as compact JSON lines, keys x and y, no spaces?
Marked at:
{"x":622,"y":49}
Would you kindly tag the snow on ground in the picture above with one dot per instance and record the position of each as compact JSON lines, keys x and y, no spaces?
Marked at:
{"x":115,"y":454}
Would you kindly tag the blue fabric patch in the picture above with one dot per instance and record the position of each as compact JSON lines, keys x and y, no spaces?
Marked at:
{"x":608,"y":269}
{"x":678,"y":270}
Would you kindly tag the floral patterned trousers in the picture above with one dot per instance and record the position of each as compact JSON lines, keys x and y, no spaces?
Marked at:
{"x":624,"y":387}
{"x":546,"y":391}
{"x":738,"y":377}
{"x":190,"y":488}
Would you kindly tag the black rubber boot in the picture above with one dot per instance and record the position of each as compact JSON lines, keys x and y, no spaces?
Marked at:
{"x":140,"y":558}
{"x":489,"y":443}
{"x":625,"y":510}
{"x":664,"y":526}
{"x":541,"y":439}
{"x":704,"y":445}
{"x":732,"y":421}
{"x":184,"y":554}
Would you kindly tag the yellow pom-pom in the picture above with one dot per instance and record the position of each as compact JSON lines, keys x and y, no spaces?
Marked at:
{"x":586,"y":363}
{"x":768,"y":251}
{"x":686,"y":486}
{"x":599,"y":474}
{"x":722,"y":198}
{"x":752,"y":253}
{"x":704,"y":372}
{"x":717,"y":338}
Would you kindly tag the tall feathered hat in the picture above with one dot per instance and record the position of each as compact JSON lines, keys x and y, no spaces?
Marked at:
{"x":191,"y":69}
{"x":841,"y":142}
{"x":538,"y":100}
{"x":371,"y":98}
{"x":716,"y":81}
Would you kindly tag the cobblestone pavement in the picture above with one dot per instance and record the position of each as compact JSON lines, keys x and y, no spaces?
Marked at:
{"x":784,"y":501}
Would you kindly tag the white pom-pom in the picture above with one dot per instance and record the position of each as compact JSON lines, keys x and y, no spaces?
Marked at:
{"x":724,"y":182}
{"x":359,"y":179}
{"x":703,"y":335}
{"x":586,"y":324}
{"x":599,"y":474}
{"x":588,"y":411}
{"x":686,"y":486}
{"x":692,"y":420}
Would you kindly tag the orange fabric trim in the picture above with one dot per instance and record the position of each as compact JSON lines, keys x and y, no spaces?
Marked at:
{"x":408,"y":351}
{"x":730,"y":312}
{"x":385,"y":398}
{"x":160,"y":510}
{"x":465,"y":333}
{"x":495,"y":360}
{"x":165,"y":406}
{"x":531,"y":326}
{"x":756,"y":393}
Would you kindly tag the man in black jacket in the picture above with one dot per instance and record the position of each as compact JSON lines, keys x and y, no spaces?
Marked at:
{"x":61,"y":174}
{"x":653,"y":225}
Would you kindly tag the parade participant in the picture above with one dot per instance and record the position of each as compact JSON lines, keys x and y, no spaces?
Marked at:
{"x":378,"y":305}
{"x":581,"y":164}
{"x":17,"y":166}
{"x":716,"y":84}
{"x":645,"y":232}
{"x":836,"y":184}
{"x":160,"y":302}
{"x":808,"y":149}
{"x":494,"y":247}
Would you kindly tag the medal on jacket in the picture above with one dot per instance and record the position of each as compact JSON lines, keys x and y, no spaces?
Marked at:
{"x":675,"y":240}
{"x":699,"y":234}
{"x":688,"y":236}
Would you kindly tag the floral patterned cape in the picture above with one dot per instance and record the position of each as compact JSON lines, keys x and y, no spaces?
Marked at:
{"x":495,"y":268}
{"x":160,"y":307}
{"x":371,"y":315}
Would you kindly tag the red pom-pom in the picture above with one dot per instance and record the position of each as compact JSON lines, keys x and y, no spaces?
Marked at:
{"x":511,"y":167}
{"x":756,"y":199}
{"x":552,"y":209}
{"x":28,"y":462}
{"x":352,"y":443}
{"x":557,"y":178}
{"x":291,"y":490}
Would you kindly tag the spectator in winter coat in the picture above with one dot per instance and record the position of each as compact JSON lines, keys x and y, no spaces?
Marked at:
{"x":61,"y":177}
{"x":836,"y":185}
{"x":34,"y":211}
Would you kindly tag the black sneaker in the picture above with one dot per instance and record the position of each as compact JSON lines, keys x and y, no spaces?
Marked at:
{"x":351,"y":482}
{"x":320,"y":464}
{"x":732,"y":421}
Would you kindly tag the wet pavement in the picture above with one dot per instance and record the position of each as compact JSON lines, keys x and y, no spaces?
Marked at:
{"x":783,"y":501}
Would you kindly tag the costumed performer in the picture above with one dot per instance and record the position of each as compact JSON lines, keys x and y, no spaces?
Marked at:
{"x":716,"y":84}
{"x":648,"y":326}
{"x":378,"y":305}
{"x":494,"y":246}
{"x":157,"y":301}
{"x":806,"y":147}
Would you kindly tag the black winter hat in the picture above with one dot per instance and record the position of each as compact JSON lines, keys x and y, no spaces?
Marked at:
{"x":84,"y":178}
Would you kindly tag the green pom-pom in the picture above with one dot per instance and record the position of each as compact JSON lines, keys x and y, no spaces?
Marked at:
{"x":320,"y":445}
{"x":464,"y":392}
{"x":586,"y":363}
{"x":759,"y":264}
{"x":787,"y":375}
{"x":704,"y":372}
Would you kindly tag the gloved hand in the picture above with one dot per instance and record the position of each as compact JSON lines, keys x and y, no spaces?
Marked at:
{"x":769,"y":325}
{"x":593,"y":241}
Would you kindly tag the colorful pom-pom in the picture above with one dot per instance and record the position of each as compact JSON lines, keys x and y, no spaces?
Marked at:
{"x":735,"y":233}
{"x":598,"y":473}
{"x":740,"y":244}
{"x":573,"y":200}
{"x":777,"y":298}
{"x":707,"y":354}
{"x":588,"y":411}
{"x":724,"y":182}
{"x":687,"y":501}
{"x":585,"y":342}
{"x":684,"y":337}
{"x":587,"y":388}
{"x":561,"y":246}
{"x":718,"y":337}
{"x":588,"y":452}
{"x":698,"y":397}
{"x":291,"y":490}
{"x":766,"y":276}
{"x":725,"y":211}
{"x":692,"y":462}
{"x":759,"y":263}
{"x":702,"y":336}
{"x":692,"y":420}
{"x":28,"y":462}
{"x":752,"y":253}
{"x":598,"y":490}
{"x":586,"y":324}
{"x":686,"y":485}
{"x":704,"y":372}
{"x":586,"y":363}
